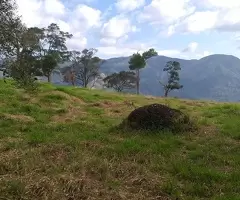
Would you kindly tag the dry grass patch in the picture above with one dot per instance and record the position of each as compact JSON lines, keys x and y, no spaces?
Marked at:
{"x":71,"y":113}
{"x":70,"y":98}
{"x":20,"y":118}
{"x":115,"y":109}
{"x":73,"y":108}
{"x":59,"y":153}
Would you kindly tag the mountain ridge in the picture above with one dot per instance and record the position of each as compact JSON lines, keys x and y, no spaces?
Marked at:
{"x":214,"y":77}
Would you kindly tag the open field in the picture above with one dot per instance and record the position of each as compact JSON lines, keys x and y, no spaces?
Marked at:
{"x":62,"y":143}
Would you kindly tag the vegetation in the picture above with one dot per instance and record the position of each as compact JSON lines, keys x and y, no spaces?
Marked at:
{"x":84,"y":67}
{"x":172,"y":68}
{"x":62,"y":143}
{"x":138,"y":61}
{"x":121,"y":81}
{"x":9,"y":27}
{"x":150,"y":53}
{"x":54,"y":48}
{"x":66,"y":142}
{"x":28,"y":52}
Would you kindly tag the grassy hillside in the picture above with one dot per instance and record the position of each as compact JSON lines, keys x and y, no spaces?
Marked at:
{"x":62,"y":144}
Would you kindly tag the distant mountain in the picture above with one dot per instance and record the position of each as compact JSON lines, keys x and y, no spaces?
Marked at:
{"x":215,"y":77}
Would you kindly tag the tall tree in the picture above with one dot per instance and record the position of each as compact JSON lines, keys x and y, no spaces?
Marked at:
{"x":9,"y":27}
{"x":121,"y":81}
{"x":138,"y":62}
{"x":85,"y":65}
{"x":172,"y":68}
{"x":54,"y":46}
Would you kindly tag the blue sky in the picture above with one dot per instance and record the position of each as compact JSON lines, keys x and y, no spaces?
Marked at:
{"x":176,"y":28}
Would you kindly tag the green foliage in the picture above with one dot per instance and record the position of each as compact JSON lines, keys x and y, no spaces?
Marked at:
{"x":56,"y":39}
{"x":137,"y":62}
{"x":121,"y":81}
{"x":49,"y":63}
{"x":150,"y":53}
{"x":23,"y":70}
{"x":9,"y":27}
{"x":85,"y":66}
{"x":172,"y":68}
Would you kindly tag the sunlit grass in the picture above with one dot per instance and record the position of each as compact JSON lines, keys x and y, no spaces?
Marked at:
{"x":63,"y":143}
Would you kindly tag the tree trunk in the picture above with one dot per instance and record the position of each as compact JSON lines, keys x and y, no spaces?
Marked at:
{"x":49,"y":78}
{"x":166,"y":93}
{"x":138,"y":80}
{"x":72,"y":77}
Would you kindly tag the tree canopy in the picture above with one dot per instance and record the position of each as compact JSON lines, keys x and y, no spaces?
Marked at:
{"x":9,"y":27}
{"x":123,"y":80}
{"x":150,"y":53}
{"x":85,"y":66}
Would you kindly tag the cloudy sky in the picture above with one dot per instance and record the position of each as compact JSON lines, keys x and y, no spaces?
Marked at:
{"x":177,"y":28}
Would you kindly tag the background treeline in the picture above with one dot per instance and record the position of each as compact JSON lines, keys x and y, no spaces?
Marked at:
{"x":27,"y":52}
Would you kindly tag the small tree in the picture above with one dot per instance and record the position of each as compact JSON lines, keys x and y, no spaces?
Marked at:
{"x":121,"y":81}
{"x":172,"y":68}
{"x":85,"y":65}
{"x":138,"y":61}
{"x":49,"y":63}
{"x":23,"y":70}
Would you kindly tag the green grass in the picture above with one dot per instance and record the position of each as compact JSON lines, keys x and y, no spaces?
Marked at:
{"x":62,"y":143}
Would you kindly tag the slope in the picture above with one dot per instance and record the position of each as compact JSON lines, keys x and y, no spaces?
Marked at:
{"x":61,"y":143}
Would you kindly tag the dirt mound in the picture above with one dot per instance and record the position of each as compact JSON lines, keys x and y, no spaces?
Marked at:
{"x":158,"y":117}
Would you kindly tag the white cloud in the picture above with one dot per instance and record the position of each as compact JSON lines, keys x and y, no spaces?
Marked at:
{"x":43,"y":12}
{"x":192,"y":47}
{"x":78,"y":42}
{"x":114,"y":51}
{"x":207,"y":53}
{"x":170,"y":53}
{"x":229,"y":20}
{"x":30,"y":10}
{"x":174,"y":16}
{"x":113,"y":41}
{"x":166,"y":11}
{"x":108,"y":41}
{"x":128,"y":5}
{"x":126,"y":50}
{"x":220,"y":15}
{"x":87,"y":16}
{"x":117,"y":27}
{"x":54,"y":7}
{"x":225,"y":4}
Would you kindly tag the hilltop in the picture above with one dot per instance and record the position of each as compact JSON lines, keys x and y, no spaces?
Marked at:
{"x":62,"y":143}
